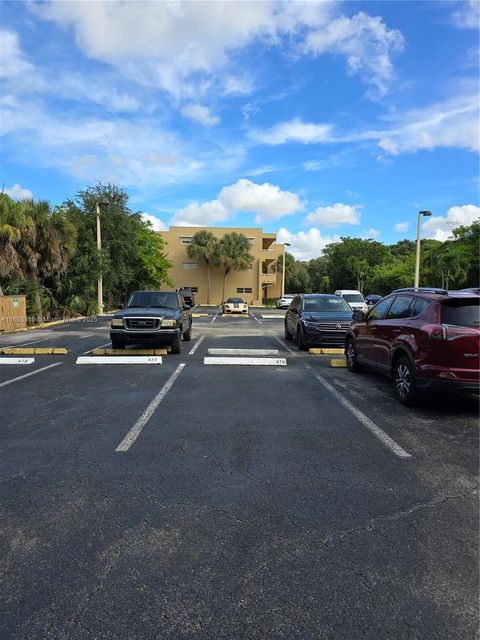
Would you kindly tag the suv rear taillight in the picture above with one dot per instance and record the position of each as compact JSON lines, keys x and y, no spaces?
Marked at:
{"x":437,"y":334}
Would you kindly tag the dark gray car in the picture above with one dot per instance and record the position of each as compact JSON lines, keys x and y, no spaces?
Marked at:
{"x":152,"y":317}
{"x":316,"y":319}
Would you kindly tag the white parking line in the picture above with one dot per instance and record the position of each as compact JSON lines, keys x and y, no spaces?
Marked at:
{"x":361,"y":417}
{"x":135,"y":431}
{"x":10,"y":360}
{"x":242,"y":352}
{"x":99,"y":347}
{"x":214,"y":317}
{"x":119,"y":360}
{"x":255,"y":318}
{"x":27,"y":375}
{"x":196,"y":345}
{"x":274,"y":362}
{"x":25,"y":344}
{"x":285,"y":346}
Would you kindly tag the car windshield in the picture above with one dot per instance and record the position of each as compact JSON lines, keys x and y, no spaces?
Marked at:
{"x":326,"y":305}
{"x":234,"y":300}
{"x":352,"y":297}
{"x":163,"y":299}
{"x":462,"y":313}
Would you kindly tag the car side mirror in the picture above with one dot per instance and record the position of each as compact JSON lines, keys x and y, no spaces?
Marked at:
{"x":359,"y":315}
{"x":186,"y":307}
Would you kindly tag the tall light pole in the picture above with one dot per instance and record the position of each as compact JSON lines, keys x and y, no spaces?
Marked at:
{"x":417,"y":257}
{"x":103,"y":202}
{"x":285,"y":244}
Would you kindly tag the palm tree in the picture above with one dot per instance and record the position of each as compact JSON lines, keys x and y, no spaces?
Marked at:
{"x":15,"y":227}
{"x":47,"y":251}
{"x":233,"y":255}
{"x":204,"y":247}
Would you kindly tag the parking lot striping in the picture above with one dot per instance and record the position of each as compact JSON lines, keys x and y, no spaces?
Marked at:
{"x":129,"y":352}
{"x":255,"y":318}
{"x":31,"y":351}
{"x":196,"y":345}
{"x":135,"y":431}
{"x":285,"y":346}
{"x":17,"y":360}
{"x":274,"y":362}
{"x":242,"y":352}
{"x":341,"y":364}
{"x":329,"y":351}
{"x":27,"y":375}
{"x":119,"y":360}
{"x":199,"y":315}
{"x":25,"y":344}
{"x":361,"y":417}
{"x":271,"y":317}
{"x":214,"y":317}
{"x":93,"y":349}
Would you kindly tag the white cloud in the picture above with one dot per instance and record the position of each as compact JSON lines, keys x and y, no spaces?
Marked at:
{"x":366,"y":42}
{"x":181,"y":46}
{"x":441,"y":227}
{"x":18,"y":193}
{"x":370,"y":234}
{"x":468,"y":15}
{"x":198,"y":113}
{"x":401,"y":227}
{"x":453,"y":123}
{"x":200,"y":215}
{"x":294,"y":131}
{"x":267,"y":200}
{"x":305,"y":245}
{"x":334,"y":216}
{"x":156,"y":223}
{"x":12,"y":60}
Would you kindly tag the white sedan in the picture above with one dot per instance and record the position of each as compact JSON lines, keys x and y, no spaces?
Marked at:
{"x":235,"y":305}
{"x":284,"y":301}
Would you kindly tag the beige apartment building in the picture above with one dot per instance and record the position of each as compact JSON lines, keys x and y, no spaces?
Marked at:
{"x":260,"y":281}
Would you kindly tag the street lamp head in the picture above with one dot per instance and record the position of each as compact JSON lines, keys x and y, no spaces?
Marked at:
{"x":425,"y":213}
{"x":287,"y":244}
{"x":103,"y":202}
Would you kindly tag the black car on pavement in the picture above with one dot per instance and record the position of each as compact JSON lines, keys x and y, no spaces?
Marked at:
{"x":152,"y":317}
{"x":317,"y":319}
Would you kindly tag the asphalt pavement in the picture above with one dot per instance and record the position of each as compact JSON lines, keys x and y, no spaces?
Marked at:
{"x":186,"y":501}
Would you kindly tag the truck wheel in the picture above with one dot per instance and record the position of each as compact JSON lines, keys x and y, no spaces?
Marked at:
{"x":176,"y":346}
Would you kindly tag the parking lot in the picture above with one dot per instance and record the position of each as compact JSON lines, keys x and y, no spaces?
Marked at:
{"x":189,"y":499}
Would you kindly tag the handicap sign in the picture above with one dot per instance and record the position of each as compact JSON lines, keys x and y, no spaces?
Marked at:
{"x":15,"y":302}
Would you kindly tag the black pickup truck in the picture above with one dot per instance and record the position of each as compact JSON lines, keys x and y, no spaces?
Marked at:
{"x":152,"y":317}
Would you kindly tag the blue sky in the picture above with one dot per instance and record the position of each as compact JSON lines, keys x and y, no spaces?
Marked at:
{"x":314,"y":120}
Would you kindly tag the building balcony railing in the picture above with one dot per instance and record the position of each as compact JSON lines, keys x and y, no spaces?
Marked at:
{"x":268,"y":278}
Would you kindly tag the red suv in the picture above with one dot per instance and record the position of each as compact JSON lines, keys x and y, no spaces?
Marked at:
{"x":421,"y":338}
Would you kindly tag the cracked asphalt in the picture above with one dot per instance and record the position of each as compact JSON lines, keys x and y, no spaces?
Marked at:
{"x":253,"y":504}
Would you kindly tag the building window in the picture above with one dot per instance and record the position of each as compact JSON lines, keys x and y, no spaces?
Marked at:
{"x":190,"y":265}
{"x":185,"y":239}
{"x":244,"y":289}
{"x":248,"y":289}
{"x":251,"y":240}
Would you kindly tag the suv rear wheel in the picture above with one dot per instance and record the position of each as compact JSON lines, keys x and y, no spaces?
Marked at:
{"x":352,"y":359}
{"x":187,"y":336}
{"x":404,"y":383}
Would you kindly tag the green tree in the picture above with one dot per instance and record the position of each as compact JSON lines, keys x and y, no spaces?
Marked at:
{"x":16,"y":227}
{"x":204,"y":247}
{"x":318,"y":274}
{"x":343,"y":272}
{"x":233,"y":254}
{"x":132,"y":255}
